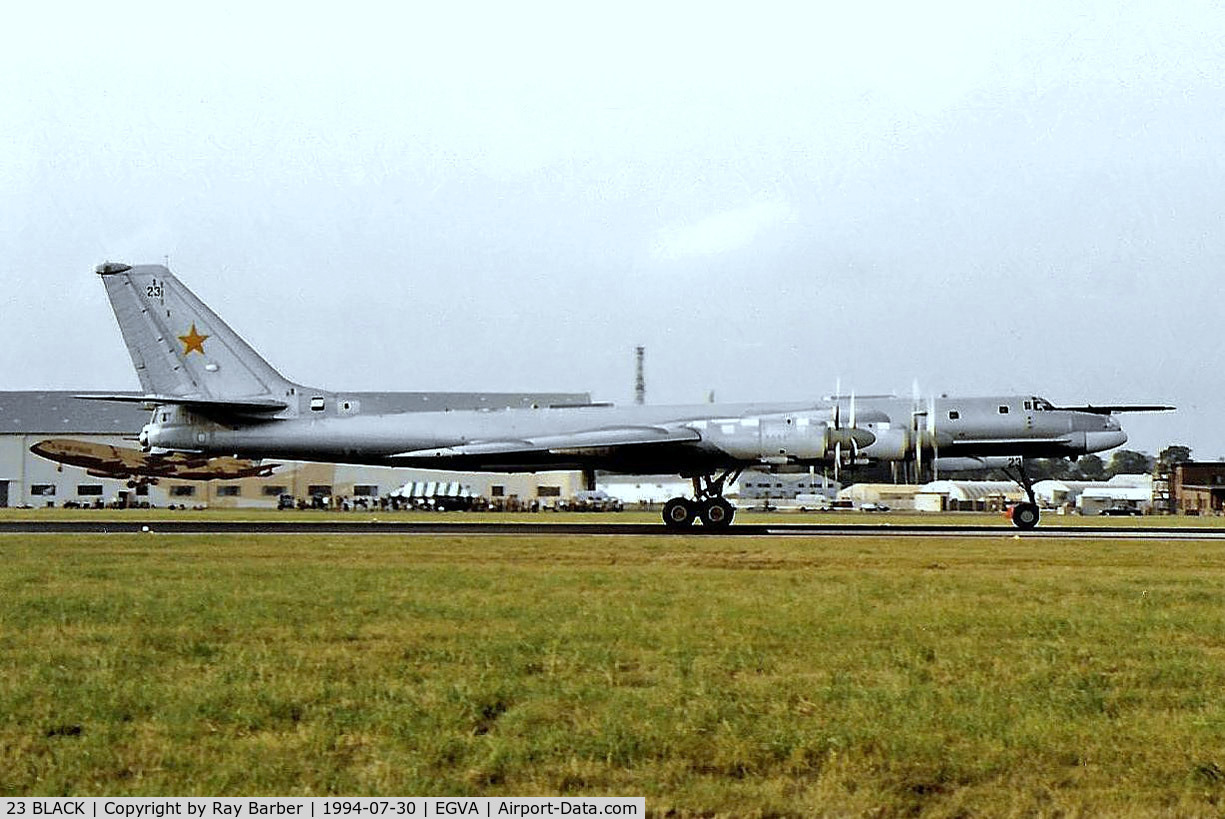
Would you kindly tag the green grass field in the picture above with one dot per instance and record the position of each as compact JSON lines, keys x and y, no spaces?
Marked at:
{"x":715,"y":676}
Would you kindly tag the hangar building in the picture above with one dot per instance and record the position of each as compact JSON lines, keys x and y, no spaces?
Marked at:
{"x":28,"y":480}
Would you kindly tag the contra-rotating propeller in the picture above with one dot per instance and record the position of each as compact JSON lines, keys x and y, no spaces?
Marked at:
{"x":919,"y":427}
{"x":849,"y":438}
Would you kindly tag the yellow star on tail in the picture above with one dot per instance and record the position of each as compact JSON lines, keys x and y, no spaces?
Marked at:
{"x":193,"y":341}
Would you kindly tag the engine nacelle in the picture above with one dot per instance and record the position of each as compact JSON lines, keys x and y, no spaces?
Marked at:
{"x":784,"y":438}
{"x":890,"y":444}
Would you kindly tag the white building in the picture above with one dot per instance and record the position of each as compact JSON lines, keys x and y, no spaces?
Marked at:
{"x":644,"y":490}
{"x":893,"y":495}
{"x":1132,"y":492}
{"x":1087,"y":497}
{"x":1129,"y":488}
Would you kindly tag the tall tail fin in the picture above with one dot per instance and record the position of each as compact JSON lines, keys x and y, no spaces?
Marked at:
{"x":178,"y":345}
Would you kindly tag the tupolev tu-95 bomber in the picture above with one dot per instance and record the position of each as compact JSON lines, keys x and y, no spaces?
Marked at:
{"x":211,"y":394}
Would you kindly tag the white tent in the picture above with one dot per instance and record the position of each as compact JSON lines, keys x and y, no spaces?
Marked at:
{"x":974,"y":490}
{"x":967,"y":495}
{"x":1056,"y":492}
{"x":432,"y":489}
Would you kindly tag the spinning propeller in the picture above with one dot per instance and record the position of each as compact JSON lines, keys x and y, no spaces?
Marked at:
{"x":848,"y":438}
{"x":923,"y":420}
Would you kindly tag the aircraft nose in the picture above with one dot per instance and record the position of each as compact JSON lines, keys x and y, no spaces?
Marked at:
{"x":1105,"y":439}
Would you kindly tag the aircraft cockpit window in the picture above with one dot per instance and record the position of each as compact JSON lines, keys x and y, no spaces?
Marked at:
{"x":1043,"y":404}
{"x":1003,"y":409}
{"x":1029,"y":405}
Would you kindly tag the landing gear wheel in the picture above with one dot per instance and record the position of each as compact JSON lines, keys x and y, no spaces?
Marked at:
{"x":1025,"y":515}
{"x":679,"y":513}
{"x":717,"y":513}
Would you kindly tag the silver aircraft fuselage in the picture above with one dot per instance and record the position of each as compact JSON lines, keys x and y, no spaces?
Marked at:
{"x":792,"y":434}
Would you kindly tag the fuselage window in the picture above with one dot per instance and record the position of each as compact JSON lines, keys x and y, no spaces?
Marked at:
{"x":1003,"y":409}
{"x":954,"y":415}
{"x":317,"y":404}
{"x":1029,"y":405}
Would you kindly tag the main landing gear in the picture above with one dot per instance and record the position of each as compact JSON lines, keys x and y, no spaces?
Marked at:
{"x":1025,"y":514}
{"x":709,"y":505}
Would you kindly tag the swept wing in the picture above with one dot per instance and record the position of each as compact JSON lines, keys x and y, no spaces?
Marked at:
{"x":611,"y":438}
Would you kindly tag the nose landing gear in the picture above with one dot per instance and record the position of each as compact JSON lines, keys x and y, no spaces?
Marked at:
{"x":709,"y":505}
{"x":1025,"y":514}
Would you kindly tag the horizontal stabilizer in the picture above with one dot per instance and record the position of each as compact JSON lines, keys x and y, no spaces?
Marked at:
{"x":590,"y":439}
{"x":1110,"y":409}
{"x":238,"y":405}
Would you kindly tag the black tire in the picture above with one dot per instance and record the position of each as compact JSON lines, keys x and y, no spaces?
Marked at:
{"x":678,"y":513}
{"x":1025,"y":515}
{"x":717,"y":513}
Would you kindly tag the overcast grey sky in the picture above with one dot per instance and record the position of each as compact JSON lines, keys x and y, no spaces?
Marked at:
{"x":985,"y":197}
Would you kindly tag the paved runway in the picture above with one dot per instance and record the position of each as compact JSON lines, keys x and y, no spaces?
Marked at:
{"x":285,"y":527}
